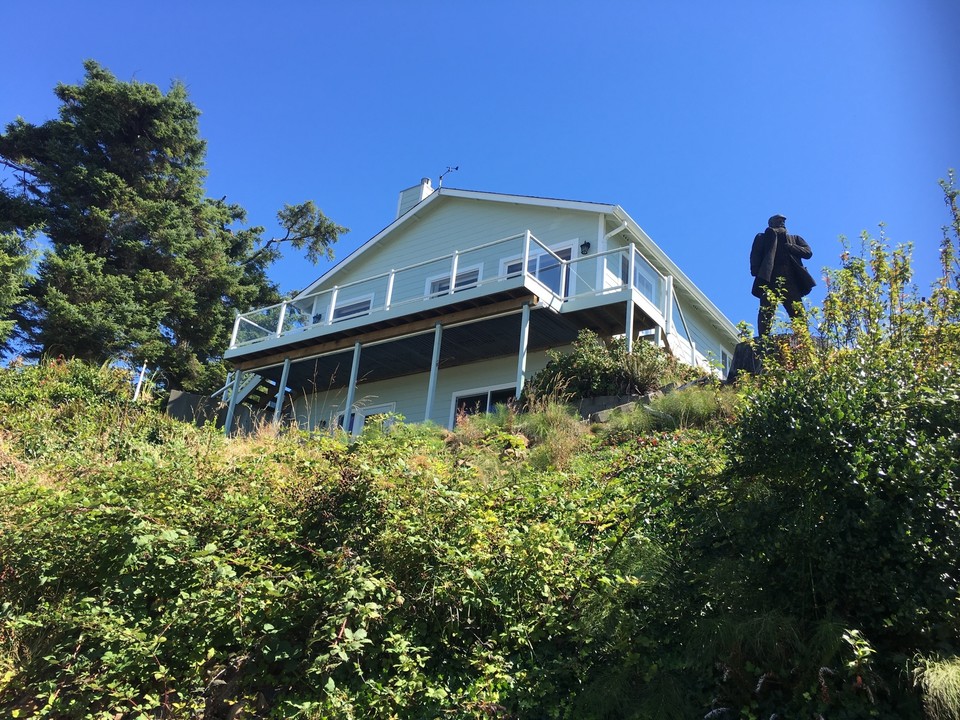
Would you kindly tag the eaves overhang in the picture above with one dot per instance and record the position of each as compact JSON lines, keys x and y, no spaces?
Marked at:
{"x":684,"y":284}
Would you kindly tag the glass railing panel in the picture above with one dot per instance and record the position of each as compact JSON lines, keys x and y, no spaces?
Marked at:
{"x":412,"y":285}
{"x":647,"y":280}
{"x":583,"y":275}
{"x":258,"y":325}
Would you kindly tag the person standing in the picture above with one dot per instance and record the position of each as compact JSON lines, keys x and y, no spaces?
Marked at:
{"x":776,"y":265}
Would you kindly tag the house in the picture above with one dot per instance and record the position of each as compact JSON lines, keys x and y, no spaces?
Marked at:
{"x":454,"y":304}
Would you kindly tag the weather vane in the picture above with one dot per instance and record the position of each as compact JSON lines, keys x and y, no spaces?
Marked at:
{"x":446,"y":172}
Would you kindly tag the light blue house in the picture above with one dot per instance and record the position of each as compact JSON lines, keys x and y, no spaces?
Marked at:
{"x":452,"y":306}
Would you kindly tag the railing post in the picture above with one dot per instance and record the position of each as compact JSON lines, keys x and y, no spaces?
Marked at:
{"x":313,"y":309}
{"x":283,"y":316}
{"x":526,"y":252}
{"x":454,"y":264}
{"x":333,"y":304}
{"x":632,"y":280}
{"x":386,"y":304}
{"x":236,"y":329}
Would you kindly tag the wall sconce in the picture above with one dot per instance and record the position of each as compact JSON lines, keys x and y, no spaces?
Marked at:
{"x":584,"y":247}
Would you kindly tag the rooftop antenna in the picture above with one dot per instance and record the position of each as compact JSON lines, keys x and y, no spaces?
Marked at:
{"x":446,"y":172}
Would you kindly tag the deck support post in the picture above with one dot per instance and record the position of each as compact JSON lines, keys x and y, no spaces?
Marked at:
{"x":434,"y":370}
{"x":352,"y":388}
{"x":522,"y":354}
{"x":232,"y":405}
{"x":281,"y":391}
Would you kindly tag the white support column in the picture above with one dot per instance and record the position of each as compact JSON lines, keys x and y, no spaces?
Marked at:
{"x":236,"y":329}
{"x":281,"y":391}
{"x":526,"y":252}
{"x":333,"y":304}
{"x":522,"y":355}
{"x":693,"y":353}
{"x":283,"y":316}
{"x":232,"y":405}
{"x":389,"y":297}
{"x":434,"y":370}
{"x":455,"y":264}
{"x":352,"y":389}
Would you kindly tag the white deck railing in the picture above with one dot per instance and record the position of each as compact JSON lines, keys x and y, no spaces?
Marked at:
{"x":476,"y":271}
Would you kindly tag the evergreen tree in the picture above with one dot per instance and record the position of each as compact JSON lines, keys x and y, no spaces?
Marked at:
{"x":141,"y":266}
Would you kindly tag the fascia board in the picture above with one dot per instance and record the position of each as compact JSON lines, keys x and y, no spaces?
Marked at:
{"x":576,"y":205}
{"x":668,"y":267}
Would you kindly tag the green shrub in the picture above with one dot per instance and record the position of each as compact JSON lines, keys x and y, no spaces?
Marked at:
{"x":595,"y":367}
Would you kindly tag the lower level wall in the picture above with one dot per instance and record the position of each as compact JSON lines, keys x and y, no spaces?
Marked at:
{"x":407,"y":396}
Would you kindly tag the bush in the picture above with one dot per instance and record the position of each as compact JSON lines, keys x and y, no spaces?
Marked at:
{"x":594,"y":368}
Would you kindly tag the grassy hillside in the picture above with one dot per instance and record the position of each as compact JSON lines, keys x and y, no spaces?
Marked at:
{"x":787,"y":549}
{"x":799,"y":559}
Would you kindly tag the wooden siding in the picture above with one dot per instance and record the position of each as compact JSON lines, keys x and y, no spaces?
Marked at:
{"x":458,"y":224}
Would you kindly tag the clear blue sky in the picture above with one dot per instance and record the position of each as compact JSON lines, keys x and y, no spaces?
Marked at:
{"x":700,"y":118}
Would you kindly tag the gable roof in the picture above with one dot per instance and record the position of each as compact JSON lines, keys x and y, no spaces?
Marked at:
{"x":432,"y":198}
{"x":644,"y":242}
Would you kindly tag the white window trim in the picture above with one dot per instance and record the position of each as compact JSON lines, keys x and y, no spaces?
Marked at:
{"x":474,"y":391}
{"x":446,"y":276}
{"x":537,"y":252}
{"x":352,"y":301}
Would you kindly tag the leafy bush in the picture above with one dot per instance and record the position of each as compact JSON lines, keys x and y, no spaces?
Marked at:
{"x":595,"y":367}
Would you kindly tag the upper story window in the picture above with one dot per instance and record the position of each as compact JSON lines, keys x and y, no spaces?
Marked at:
{"x":352,"y":308}
{"x":467,"y":278}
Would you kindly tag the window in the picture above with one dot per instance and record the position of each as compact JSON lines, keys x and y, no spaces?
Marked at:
{"x":465,"y":279}
{"x":352,"y":308}
{"x":482,"y":400}
{"x":360,"y":415}
{"x":545,"y":267}
{"x":641,"y":281}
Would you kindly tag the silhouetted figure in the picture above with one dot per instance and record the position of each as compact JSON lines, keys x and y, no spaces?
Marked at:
{"x":775,"y":263}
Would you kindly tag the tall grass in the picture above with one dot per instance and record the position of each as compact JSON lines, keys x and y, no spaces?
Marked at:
{"x":939,"y":679}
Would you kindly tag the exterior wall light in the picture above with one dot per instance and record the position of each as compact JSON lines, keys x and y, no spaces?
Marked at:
{"x":584,"y":247}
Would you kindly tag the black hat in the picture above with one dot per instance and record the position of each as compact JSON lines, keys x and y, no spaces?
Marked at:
{"x":774,"y":218}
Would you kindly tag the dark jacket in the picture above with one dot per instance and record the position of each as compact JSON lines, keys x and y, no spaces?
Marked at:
{"x":765,"y":268}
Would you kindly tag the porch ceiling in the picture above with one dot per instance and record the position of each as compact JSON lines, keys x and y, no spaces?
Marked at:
{"x":467,"y":343}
